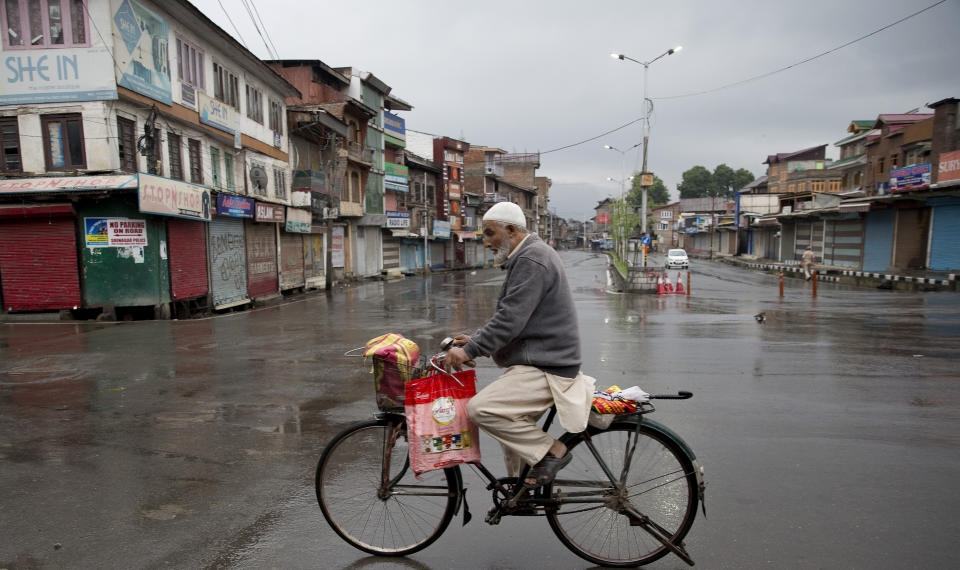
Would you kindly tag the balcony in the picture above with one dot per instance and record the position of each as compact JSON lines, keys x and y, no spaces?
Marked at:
{"x":492,"y":169}
{"x":351,"y":209}
{"x":494,"y":198}
{"x":358,"y":152}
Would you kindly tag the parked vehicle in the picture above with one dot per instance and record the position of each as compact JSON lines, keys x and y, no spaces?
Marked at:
{"x":677,"y":258}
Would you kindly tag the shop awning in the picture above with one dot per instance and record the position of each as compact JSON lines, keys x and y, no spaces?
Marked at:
{"x":466,"y":235}
{"x":855,"y":207}
{"x":396,"y":187}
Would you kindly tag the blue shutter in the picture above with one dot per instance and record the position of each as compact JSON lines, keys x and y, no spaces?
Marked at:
{"x":878,"y":240}
{"x":945,"y":239}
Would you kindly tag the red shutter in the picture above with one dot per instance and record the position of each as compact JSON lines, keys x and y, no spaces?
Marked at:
{"x":38,"y":263}
{"x":262,"y":276}
{"x":188,"y":258}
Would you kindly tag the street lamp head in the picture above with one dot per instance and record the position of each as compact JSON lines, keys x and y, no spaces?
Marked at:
{"x":675,"y":50}
{"x":616,"y":55}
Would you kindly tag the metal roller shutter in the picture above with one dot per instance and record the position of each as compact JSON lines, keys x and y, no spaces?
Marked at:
{"x":843,"y":243}
{"x":262,"y":276}
{"x":291,"y":261}
{"x":913,"y":229}
{"x":314,"y":261}
{"x":188,"y":258}
{"x":878,"y":240}
{"x":945,"y":237}
{"x":391,"y":253}
{"x":38,"y":261}
{"x":228,"y":261}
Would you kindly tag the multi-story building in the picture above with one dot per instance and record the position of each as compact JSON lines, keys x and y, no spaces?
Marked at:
{"x":853,"y":156}
{"x":666,"y":225}
{"x":425,"y":180}
{"x":895,"y":142}
{"x":542,"y":184}
{"x":151,"y":162}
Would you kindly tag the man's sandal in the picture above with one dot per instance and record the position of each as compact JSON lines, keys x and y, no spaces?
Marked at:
{"x":545,"y":471}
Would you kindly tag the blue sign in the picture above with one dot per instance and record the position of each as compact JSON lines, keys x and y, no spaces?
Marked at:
{"x":910,"y":177}
{"x":234,"y":206}
{"x":645,"y":240}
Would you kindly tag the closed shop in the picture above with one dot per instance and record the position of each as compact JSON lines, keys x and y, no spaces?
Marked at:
{"x":411,"y":254}
{"x":373,"y":245}
{"x":912,"y":232}
{"x":843,"y":241}
{"x":436,"y":254}
{"x":314,"y":260}
{"x":878,"y":240}
{"x":803,"y":238}
{"x":133,"y":270}
{"x":38,"y":258}
{"x":262,"y":275}
{"x":291,"y":261}
{"x":391,"y":252}
{"x":187,"y":247}
{"x":227,"y":252}
{"x":788,"y":237}
{"x":945,"y":234}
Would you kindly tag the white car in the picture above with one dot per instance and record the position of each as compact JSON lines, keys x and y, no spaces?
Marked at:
{"x":677,"y":258}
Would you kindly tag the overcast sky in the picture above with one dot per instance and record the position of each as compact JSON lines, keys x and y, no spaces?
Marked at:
{"x":530,"y":76}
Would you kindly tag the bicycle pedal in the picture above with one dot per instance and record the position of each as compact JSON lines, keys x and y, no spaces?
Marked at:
{"x":493,"y":516}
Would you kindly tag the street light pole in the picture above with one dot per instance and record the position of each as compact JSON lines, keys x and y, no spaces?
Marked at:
{"x":646,"y":125}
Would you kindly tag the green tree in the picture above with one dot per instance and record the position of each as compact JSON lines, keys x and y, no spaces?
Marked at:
{"x":697,"y":182}
{"x":622,"y":221}
{"x":741,"y":178}
{"x":723,"y":177}
{"x":657,"y":195}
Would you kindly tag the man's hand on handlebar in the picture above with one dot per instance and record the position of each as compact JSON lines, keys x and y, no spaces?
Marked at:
{"x":456,"y":357}
{"x":461,"y":339}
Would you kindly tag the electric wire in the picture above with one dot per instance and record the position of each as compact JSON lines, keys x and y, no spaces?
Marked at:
{"x":256,"y":26}
{"x":276,"y":52}
{"x":227,"y":14}
{"x":761,"y":76}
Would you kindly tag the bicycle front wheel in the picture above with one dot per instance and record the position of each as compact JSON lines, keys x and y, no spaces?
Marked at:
{"x":370,"y":497}
{"x":657,"y":480}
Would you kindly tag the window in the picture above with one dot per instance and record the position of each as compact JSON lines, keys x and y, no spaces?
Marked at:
{"x":254,"y":103}
{"x":215,"y":166}
{"x":196,"y":165}
{"x":276,"y":116}
{"x":190,"y":67}
{"x":280,"y":182}
{"x":176,"y":163}
{"x":127,"y":143}
{"x":834,"y":186}
{"x":63,"y":142}
{"x":880,"y":171}
{"x":666,"y":213}
{"x":228,"y":170}
{"x":38,"y":24}
{"x":226,"y":87}
{"x":10,"y":158}
{"x":893,"y":161}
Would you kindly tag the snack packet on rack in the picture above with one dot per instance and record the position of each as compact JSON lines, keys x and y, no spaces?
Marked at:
{"x":613,"y":400}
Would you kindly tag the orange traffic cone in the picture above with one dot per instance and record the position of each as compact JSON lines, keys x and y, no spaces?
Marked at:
{"x":679,"y":290}
{"x":668,"y":285}
{"x":661,"y":290}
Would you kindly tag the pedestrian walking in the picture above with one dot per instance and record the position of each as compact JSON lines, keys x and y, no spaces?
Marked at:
{"x":806,"y":262}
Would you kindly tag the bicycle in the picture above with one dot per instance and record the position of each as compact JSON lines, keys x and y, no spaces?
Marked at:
{"x":628,"y":497}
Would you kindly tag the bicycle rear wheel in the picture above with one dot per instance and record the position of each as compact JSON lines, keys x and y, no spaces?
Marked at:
{"x":384,"y":511}
{"x":659,"y":482}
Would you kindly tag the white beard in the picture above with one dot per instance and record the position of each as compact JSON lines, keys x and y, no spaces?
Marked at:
{"x":501,"y":256}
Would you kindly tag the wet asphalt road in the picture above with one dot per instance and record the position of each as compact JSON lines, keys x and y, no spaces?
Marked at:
{"x":829,"y":434}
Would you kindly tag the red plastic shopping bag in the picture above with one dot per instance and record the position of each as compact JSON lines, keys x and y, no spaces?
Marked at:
{"x":440,"y":432}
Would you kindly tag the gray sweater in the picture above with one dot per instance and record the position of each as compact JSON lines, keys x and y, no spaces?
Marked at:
{"x":535,"y":322}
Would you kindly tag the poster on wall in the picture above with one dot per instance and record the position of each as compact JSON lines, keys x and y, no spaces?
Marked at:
{"x":142,"y":48}
{"x":56,"y":76}
{"x":114,"y":232}
{"x":336,"y":247}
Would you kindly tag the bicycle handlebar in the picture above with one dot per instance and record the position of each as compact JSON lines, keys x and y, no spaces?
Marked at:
{"x":681,"y":395}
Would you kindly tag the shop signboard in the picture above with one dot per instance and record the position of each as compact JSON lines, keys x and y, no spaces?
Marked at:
{"x":603,"y":218}
{"x":396,"y":177}
{"x":949,"y":168}
{"x":217,"y":114}
{"x":394,"y":129}
{"x":910,"y":177}
{"x":270,"y":213}
{"x":397,"y":219}
{"x":67,"y":183}
{"x":298,"y":221}
{"x":234,"y":206}
{"x":142,"y":47}
{"x":441,"y":229}
{"x":56,"y":76}
{"x":167,"y":197}
{"x":336,"y":247}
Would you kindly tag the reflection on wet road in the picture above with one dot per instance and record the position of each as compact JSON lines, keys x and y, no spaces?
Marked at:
{"x":829,"y":432}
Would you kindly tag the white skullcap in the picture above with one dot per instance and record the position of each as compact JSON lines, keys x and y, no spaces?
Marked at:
{"x":508,"y":213}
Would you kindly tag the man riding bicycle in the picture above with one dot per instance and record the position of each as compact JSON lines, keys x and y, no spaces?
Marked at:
{"x":534,"y":335}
